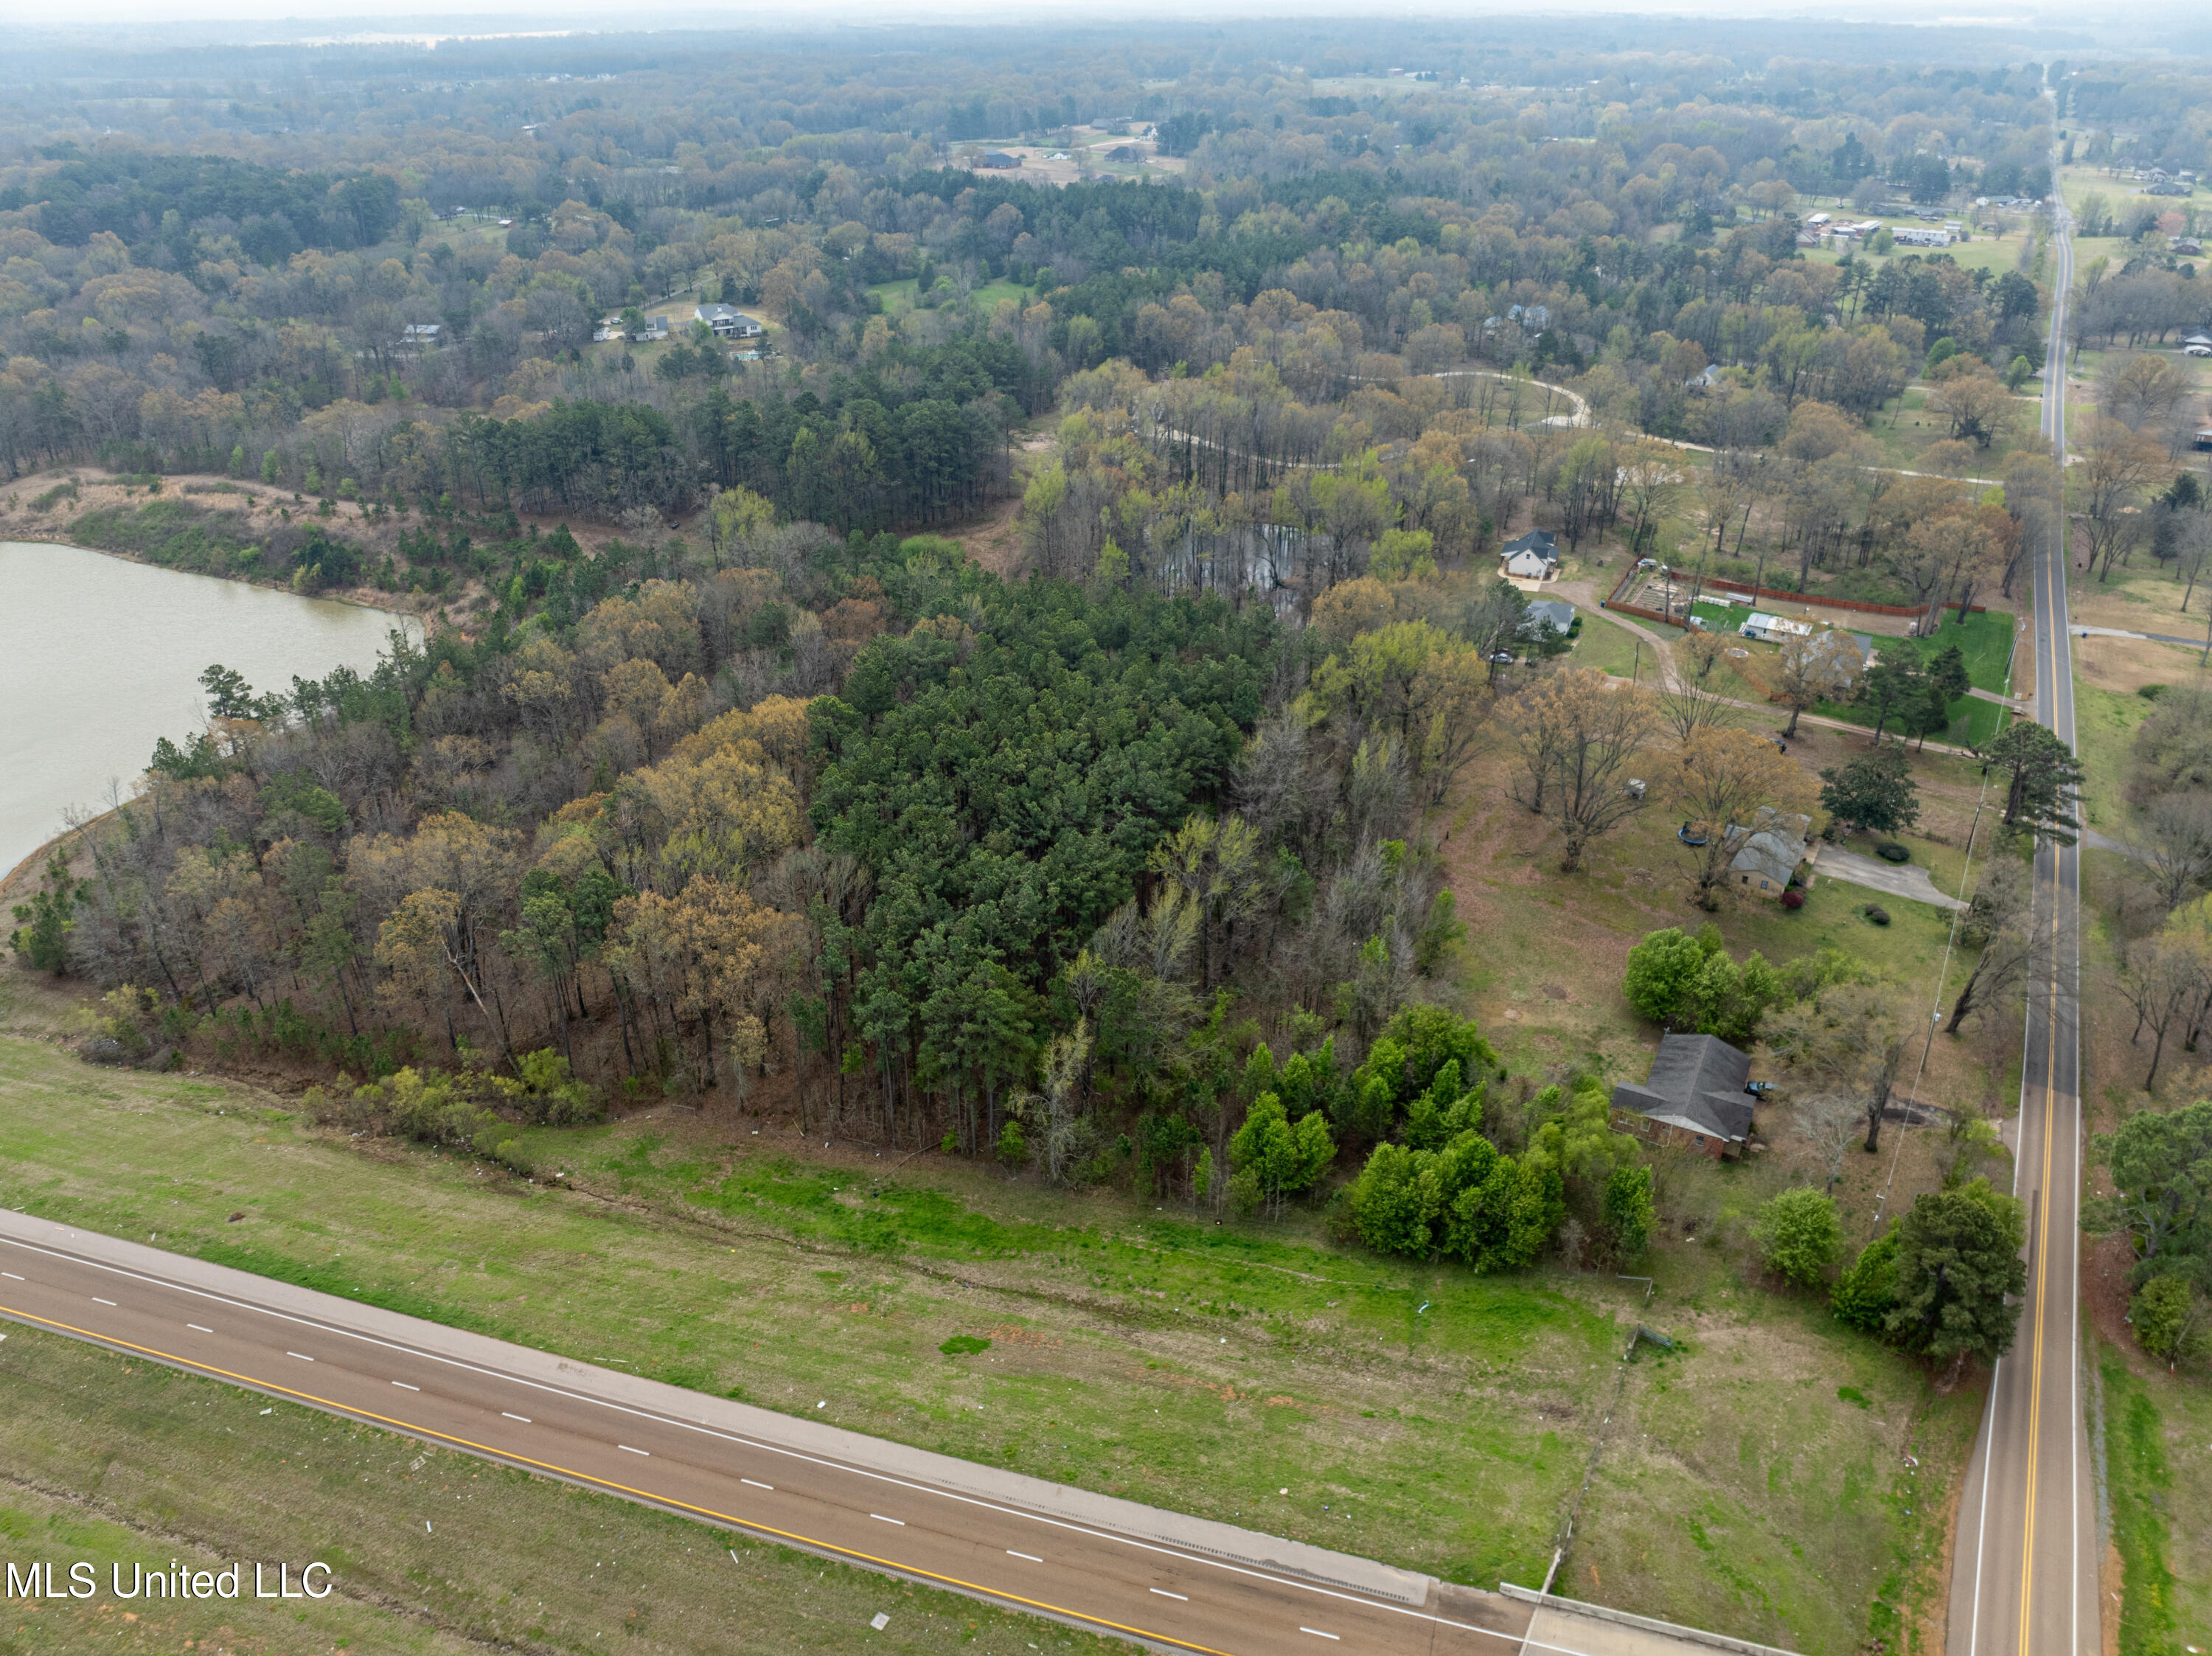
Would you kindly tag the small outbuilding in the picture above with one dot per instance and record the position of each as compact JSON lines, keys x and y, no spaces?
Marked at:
{"x":1774,"y":629}
{"x":1696,"y":1096}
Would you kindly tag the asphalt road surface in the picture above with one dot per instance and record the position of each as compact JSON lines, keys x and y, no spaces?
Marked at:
{"x":2024,"y":1574}
{"x":591,"y":1427}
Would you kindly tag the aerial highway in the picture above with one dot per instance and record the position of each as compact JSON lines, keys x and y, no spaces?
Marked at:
{"x":1171,"y":1582}
{"x":2024,"y":1576}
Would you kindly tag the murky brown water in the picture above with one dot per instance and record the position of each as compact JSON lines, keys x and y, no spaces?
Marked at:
{"x":100,"y":658}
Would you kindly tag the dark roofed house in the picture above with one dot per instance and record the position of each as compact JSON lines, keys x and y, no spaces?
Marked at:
{"x":1695,"y":1097}
{"x":1534,"y":557}
{"x":998,"y":159}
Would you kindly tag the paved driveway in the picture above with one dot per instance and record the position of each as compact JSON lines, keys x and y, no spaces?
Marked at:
{"x":1897,"y":879}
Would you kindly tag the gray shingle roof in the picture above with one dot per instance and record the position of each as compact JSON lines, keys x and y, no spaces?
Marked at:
{"x":1696,"y":1083}
{"x":1561,"y":616}
{"x":1771,"y":848}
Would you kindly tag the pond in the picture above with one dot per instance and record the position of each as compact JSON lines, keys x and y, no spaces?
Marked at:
{"x":103,"y":657}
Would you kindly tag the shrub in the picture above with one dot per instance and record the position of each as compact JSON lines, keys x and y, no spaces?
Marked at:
{"x":1793,"y":899}
{"x":1661,"y":969}
{"x":1876,"y":914}
{"x":1799,"y":1235}
{"x":964,"y":1345}
{"x":2171,"y":1319}
{"x":1868,"y":1293}
{"x":1890,"y":851}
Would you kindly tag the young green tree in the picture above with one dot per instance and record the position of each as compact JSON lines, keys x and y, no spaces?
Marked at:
{"x":1799,"y":1235}
{"x":1281,"y":1158}
{"x":1872,"y":791}
{"x":1947,"y":673}
{"x":42,"y":938}
{"x":1629,"y":1214}
{"x":1958,"y":1259}
{"x":1894,"y":684}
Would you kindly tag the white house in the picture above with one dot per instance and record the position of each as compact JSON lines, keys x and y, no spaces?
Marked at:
{"x":1774,"y":629}
{"x":727,"y":323}
{"x":1532,"y":556}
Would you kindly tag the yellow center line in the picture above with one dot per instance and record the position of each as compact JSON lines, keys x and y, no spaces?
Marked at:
{"x":606,"y":1484}
{"x":2042,"y":1258}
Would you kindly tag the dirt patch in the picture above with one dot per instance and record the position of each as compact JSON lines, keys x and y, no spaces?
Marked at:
{"x":994,"y":540}
{"x":2126,"y":665}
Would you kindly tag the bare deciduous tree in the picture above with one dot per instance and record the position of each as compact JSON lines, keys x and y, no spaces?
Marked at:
{"x":1578,"y":739}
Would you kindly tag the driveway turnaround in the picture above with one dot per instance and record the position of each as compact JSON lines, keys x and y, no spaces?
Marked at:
{"x":1173,"y":1582}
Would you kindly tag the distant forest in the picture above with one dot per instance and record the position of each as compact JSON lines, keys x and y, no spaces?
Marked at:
{"x":732,"y":768}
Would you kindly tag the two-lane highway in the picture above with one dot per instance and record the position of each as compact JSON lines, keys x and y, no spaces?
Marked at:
{"x":2024,"y":1576}
{"x":509,"y":1404}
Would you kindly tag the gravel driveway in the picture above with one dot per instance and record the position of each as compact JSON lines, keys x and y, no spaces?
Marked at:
{"x":1897,"y":879}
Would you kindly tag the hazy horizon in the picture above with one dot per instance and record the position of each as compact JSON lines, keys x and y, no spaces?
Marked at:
{"x":406,"y":20}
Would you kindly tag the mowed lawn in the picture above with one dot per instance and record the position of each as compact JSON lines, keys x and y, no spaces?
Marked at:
{"x":1139,"y":1351}
{"x":1986,"y":642}
{"x":1195,"y":1367}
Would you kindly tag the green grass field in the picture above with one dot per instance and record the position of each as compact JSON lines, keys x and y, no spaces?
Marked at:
{"x":898,"y":296}
{"x":1137,"y":1351}
{"x":2104,"y":725}
{"x":1904,"y":430}
{"x":1611,"y":649}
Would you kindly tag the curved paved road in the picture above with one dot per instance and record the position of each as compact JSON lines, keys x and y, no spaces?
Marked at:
{"x":2025,"y":1570}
